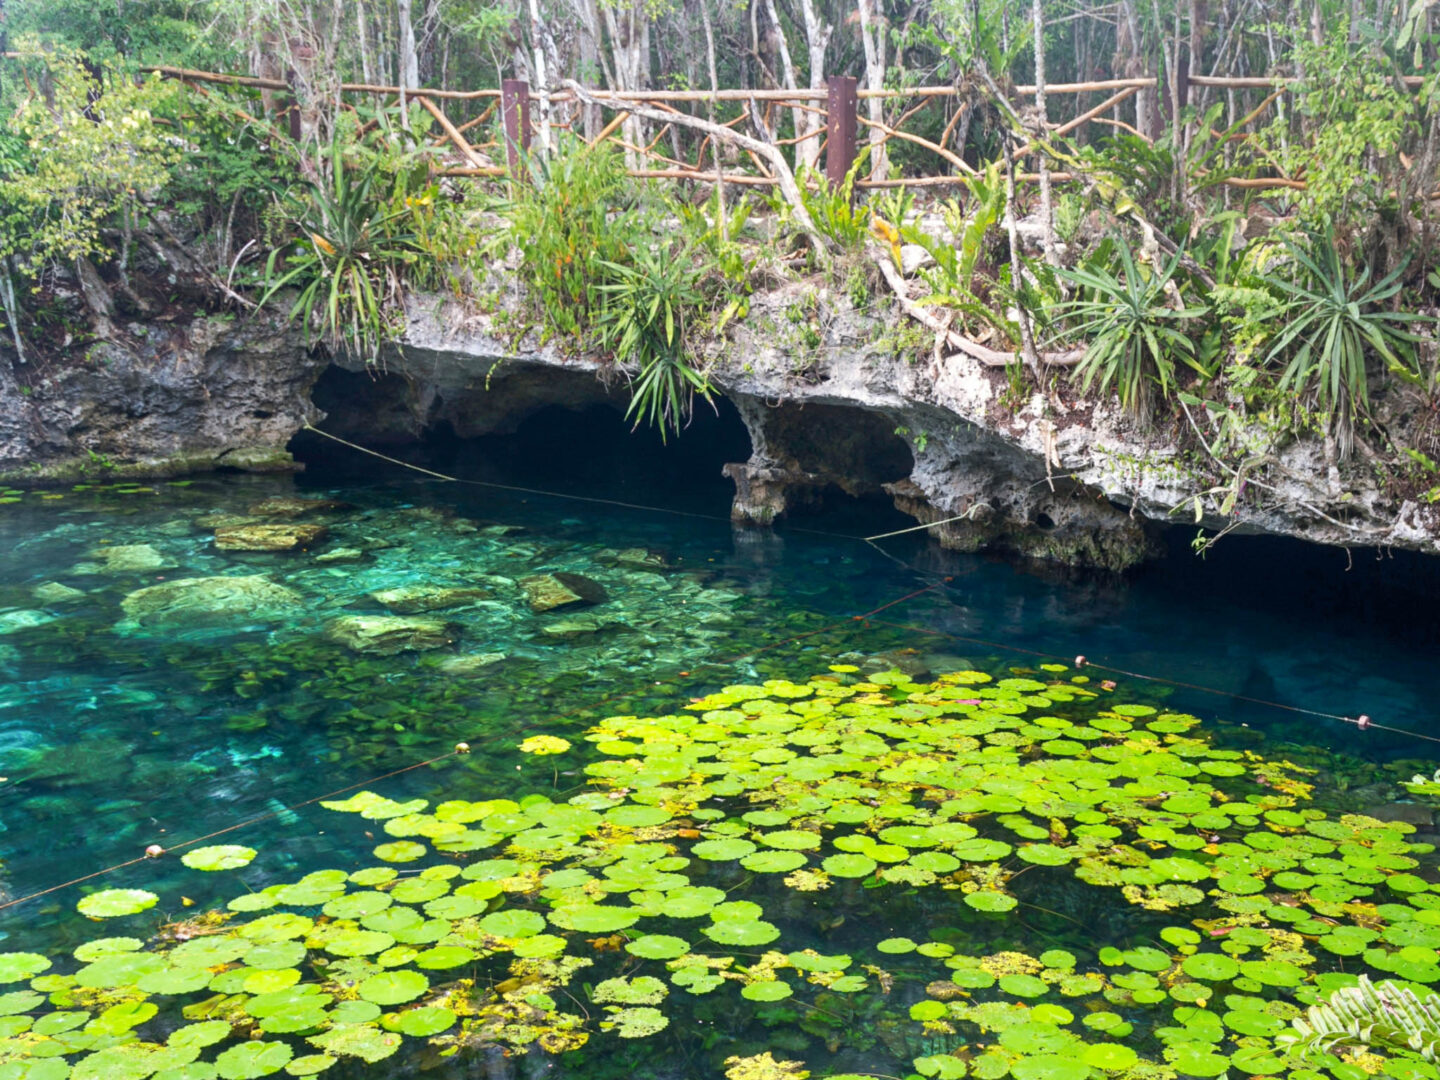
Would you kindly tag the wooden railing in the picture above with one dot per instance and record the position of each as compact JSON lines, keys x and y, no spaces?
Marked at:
{"x":838,"y":134}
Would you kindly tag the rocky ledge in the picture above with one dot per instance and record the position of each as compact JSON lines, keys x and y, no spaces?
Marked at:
{"x":834,"y":399}
{"x":837,"y":399}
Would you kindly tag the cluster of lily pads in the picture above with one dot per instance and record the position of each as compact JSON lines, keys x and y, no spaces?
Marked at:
{"x":862,"y":871}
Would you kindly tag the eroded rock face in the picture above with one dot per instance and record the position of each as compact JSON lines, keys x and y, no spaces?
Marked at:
{"x":210,"y":601}
{"x":181,"y":396}
{"x":288,"y":537}
{"x":545,"y":592}
{"x":385,"y":635}
{"x":413,"y":599}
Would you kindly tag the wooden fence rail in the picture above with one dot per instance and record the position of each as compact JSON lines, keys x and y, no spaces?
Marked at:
{"x":840,"y":100}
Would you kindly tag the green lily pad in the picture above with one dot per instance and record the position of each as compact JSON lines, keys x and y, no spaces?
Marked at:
{"x":219,"y":857}
{"x":393,"y":987}
{"x":115,"y":903}
{"x":658,"y":947}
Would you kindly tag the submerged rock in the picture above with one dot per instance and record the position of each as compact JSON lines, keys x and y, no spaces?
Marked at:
{"x":222,"y":520}
{"x":1422,"y":817}
{"x":52,"y":592}
{"x":545,"y":592}
{"x":567,"y":629}
{"x":412,"y":599}
{"x":269,"y":537}
{"x":341,"y":555}
{"x":634,"y":559}
{"x":210,"y":601}
{"x":288,"y":506}
{"x":129,"y":559}
{"x":386,"y":635}
{"x":471,"y":665}
{"x":12,"y":622}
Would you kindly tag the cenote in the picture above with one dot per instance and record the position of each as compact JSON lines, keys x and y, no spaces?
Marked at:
{"x":746,"y":803}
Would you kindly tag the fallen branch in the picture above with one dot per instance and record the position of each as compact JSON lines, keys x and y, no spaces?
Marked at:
{"x":973,"y":349}
{"x":452,"y":131}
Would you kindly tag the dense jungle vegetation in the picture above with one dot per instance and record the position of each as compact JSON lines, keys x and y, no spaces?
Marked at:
{"x":1239,"y":264}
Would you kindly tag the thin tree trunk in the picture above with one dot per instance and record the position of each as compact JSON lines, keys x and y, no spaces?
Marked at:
{"x":817,"y":43}
{"x":409,"y":62}
{"x":872,"y":37}
{"x":542,"y":87}
{"x":721,"y":215}
{"x":1047,"y":204}
{"x":1017,"y":280}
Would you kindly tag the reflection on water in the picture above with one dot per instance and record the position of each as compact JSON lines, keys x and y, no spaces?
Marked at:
{"x":160,"y":681}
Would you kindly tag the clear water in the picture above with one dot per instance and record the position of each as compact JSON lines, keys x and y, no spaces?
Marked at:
{"x":114,"y":737}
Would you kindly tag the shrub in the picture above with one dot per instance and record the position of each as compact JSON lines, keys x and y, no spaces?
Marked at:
{"x":1131,"y":330}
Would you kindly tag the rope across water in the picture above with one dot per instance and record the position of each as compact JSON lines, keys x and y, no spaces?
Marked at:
{"x":866,"y":619}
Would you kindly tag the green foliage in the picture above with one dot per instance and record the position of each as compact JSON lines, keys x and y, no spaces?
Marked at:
{"x":644,"y":322}
{"x":837,"y":215}
{"x":1368,"y":1016}
{"x":598,"y":273}
{"x":1356,"y":120}
{"x":578,"y":211}
{"x":1132,"y":327}
{"x":715,"y":229}
{"x":348,"y":263}
{"x":1332,"y":324}
{"x":91,"y":152}
{"x":951,"y":281}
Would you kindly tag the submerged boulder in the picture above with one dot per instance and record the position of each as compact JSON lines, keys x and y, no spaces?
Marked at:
{"x":571,"y":627}
{"x":129,"y":558}
{"x":546,"y":592}
{"x":341,"y":555}
{"x":636,"y":558}
{"x":209,"y":601}
{"x":471,"y":665}
{"x":52,"y":592}
{"x":288,"y":537}
{"x":221,"y":520}
{"x":385,"y":635}
{"x":412,"y":599}
{"x":14,"y":621}
{"x":288,"y":506}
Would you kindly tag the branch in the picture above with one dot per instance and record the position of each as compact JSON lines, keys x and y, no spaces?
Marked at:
{"x":771,"y":154}
{"x":974,"y":350}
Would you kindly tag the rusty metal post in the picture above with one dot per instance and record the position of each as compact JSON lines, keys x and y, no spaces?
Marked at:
{"x":515,"y":108}
{"x":840,"y":112}
{"x":290,"y":107}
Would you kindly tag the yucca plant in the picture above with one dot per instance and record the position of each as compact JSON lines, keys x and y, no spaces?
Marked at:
{"x":1386,"y":1015}
{"x":643,"y":321}
{"x":1133,"y":335}
{"x":1333,"y":324}
{"x":347,"y":265}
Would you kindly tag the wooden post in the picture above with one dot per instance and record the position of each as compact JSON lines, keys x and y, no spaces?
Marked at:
{"x":291,"y":108}
{"x":840,"y":128}
{"x":515,"y":107}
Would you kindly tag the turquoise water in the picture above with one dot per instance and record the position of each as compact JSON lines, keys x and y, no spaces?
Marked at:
{"x":116,"y":733}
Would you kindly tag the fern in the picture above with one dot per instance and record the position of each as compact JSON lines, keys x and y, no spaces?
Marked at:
{"x":1386,"y":1016}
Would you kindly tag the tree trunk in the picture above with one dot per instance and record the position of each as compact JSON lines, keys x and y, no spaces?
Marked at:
{"x":817,"y":43}
{"x":1042,"y":131}
{"x":872,"y":37}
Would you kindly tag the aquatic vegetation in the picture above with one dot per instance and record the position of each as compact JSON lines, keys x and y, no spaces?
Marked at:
{"x":984,"y":875}
{"x":1368,"y":1015}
